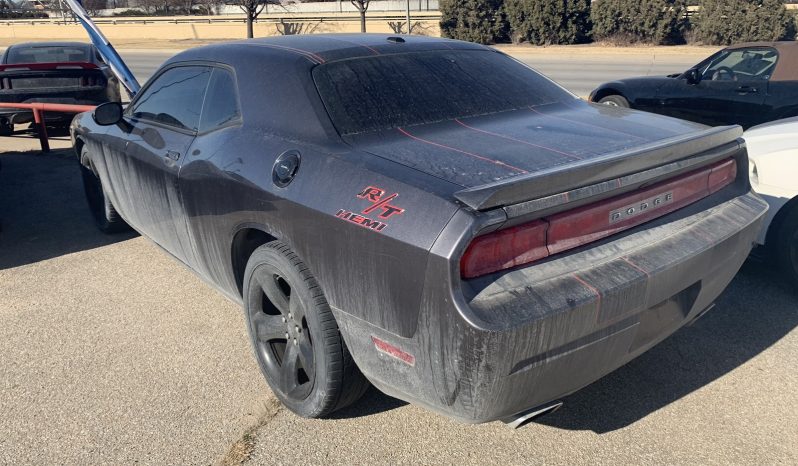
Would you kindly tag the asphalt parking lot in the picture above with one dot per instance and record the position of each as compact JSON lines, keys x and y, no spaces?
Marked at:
{"x":113,"y":353}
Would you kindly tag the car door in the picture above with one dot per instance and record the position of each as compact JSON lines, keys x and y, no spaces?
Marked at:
{"x":730,"y":89}
{"x":220,"y":134}
{"x":161,"y":124}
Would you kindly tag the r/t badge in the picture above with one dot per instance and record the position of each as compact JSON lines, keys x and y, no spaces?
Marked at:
{"x":381,"y":205}
{"x":380,"y":201}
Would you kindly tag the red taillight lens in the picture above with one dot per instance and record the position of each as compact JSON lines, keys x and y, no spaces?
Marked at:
{"x":505,"y":249}
{"x":722,"y":175}
{"x":527,"y":243}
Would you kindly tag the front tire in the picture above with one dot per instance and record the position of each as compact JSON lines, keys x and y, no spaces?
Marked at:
{"x":294,"y":335}
{"x":614,"y":101}
{"x":785,"y":246}
{"x":105,"y":215}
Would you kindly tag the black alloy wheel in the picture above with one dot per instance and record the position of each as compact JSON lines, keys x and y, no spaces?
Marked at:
{"x":282,"y":337}
{"x":296,"y":340}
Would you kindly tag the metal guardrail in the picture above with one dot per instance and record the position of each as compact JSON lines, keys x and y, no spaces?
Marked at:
{"x":39,"y":109}
{"x":272,"y":18}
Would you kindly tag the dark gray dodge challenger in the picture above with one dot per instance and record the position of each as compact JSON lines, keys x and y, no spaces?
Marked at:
{"x":427,"y":215}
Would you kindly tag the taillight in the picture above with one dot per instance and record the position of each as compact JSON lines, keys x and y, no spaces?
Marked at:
{"x":505,"y":249}
{"x":523,"y":244}
{"x":596,"y":221}
{"x":722,"y":175}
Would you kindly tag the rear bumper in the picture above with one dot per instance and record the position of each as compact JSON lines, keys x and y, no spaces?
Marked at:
{"x":529,"y":336}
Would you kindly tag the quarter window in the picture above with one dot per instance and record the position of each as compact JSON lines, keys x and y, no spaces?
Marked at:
{"x":221,"y":101}
{"x":174,"y":98}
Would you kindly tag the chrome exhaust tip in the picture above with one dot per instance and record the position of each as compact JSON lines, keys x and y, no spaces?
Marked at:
{"x":519,"y":420}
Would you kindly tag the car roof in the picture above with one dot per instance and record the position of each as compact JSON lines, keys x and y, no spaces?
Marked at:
{"x":787,"y":66}
{"x":323,"y":48}
{"x":785,"y":44}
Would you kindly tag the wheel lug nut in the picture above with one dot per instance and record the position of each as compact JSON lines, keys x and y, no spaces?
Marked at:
{"x":283,"y":319}
{"x":289,"y":315}
{"x":287,"y":336}
{"x":295,"y":341}
{"x":298,"y":330}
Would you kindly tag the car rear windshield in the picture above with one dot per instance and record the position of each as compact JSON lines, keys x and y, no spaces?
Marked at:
{"x":389,"y":91}
{"x":47,"y":54}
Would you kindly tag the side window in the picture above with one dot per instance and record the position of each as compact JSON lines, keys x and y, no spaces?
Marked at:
{"x":174,"y":98}
{"x":221,"y":101}
{"x":755,"y":64}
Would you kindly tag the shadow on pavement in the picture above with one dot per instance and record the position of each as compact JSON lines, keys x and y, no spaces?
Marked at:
{"x":755,"y":312}
{"x":373,"y":402}
{"x":43,"y":212}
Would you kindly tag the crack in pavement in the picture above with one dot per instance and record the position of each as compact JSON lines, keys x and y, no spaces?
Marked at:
{"x":240,"y":451}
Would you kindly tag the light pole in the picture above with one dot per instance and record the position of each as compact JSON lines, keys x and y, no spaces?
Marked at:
{"x":408,"y":17}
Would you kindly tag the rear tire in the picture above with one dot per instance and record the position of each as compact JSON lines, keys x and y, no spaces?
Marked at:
{"x":105,"y":215}
{"x":785,"y":247}
{"x":6,"y":128}
{"x":614,"y":101}
{"x":296,"y":340}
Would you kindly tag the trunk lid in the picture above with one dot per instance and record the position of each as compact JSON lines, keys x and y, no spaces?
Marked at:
{"x":516,"y":156}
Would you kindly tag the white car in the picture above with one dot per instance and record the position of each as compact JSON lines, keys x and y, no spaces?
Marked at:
{"x":773,"y":155}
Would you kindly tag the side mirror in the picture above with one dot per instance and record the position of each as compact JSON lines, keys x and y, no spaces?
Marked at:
{"x":107,"y":114}
{"x":693,"y":76}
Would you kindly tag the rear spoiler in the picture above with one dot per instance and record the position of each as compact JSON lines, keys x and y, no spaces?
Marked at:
{"x":556,"y":180}
{"x":70,"y":65}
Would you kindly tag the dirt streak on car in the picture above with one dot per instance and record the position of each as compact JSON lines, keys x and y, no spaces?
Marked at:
{"x":427,"y":213}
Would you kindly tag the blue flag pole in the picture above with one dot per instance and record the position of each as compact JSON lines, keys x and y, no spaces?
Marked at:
{"x":111,"y":56}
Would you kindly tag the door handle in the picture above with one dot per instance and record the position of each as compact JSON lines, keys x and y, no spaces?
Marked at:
{"x":172,"y":154}
{"x":747,"y":90}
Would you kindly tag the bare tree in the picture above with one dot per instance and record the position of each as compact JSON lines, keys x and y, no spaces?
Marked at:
{"x":149,"y":6}
{"x":93,"y":7}
{"x":210,"y":7}
{"x":253,"y":9}
{"x":362,"y":6}
{"x":398,"y":27}
{"x":186,"y":5}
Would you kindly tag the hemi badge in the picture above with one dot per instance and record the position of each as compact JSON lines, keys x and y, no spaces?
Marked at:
{"x":638,"y":208}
